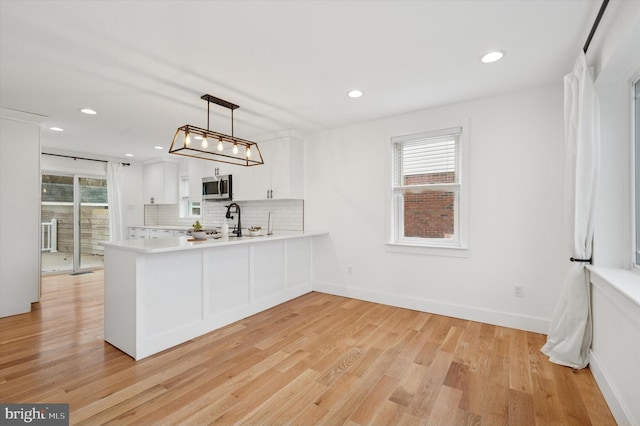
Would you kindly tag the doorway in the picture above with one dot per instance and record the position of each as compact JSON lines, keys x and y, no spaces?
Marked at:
{"x":74,"y":222}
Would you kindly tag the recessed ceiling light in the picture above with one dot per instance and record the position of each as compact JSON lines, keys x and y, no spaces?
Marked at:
{"x":158,"y":147}
{"x":56,"y":129}
{"x":88,"y":111}
{"x":492,"y":57}
{"x":128,"y":155}
{"x":355,"y":93}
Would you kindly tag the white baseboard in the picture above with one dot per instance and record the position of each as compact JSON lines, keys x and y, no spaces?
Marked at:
{"x":608,"y":391}
{"x":504,"y":319}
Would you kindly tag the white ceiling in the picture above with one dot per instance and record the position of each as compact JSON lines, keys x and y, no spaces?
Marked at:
{"x":143,"y":65}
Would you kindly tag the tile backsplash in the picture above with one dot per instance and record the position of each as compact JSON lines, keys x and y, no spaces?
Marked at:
{"x":288,"y":214}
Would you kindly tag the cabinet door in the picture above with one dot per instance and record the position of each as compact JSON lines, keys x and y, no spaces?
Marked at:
{"x":214,"y":168}
{"x":153,"y":183}
{"x":280,"y":156}
{"x":196,"y":173}
{"x":295,"y":168}
{"x":170,"y":172}
{"x":243,"y":183}
{"x":156,"y":234}
{"x":281,"y":177}
{"x":161,"y":183}
{"x":262,"y":173}
{"x":138,"y":233}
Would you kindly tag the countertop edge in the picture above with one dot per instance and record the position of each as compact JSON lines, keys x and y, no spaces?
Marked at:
{"x":181,"y":243}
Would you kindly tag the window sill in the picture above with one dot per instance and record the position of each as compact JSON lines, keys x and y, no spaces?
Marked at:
{"x":448,"y":251}
{"x":625,"y":281}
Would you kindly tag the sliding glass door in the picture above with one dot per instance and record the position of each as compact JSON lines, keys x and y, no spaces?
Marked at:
{"x":75,"y":221}
{"x":56,"y":228}
{"x":93,"y":222}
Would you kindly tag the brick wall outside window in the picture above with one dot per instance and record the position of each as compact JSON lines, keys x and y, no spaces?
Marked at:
{"x":429,"y":214}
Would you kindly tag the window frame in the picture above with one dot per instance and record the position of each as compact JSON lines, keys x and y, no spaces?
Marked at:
{"x":185,"y":203}
{"x":635,"y":172}
{"x":457,"y":247}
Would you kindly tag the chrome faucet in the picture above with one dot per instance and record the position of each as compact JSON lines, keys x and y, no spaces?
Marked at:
{"x":238,"y":231}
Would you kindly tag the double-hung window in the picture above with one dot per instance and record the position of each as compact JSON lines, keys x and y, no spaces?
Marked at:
{"x":428,"y":191}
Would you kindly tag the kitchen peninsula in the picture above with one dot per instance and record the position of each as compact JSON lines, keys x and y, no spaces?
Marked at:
{"x":159,"y":293}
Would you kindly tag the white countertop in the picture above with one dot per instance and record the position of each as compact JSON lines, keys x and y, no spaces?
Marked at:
{"x":161,"y":245}
{"x":170,"y":227}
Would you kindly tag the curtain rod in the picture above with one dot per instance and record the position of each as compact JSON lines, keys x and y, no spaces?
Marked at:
{"x":595,"y":25}
{"x":81,"y":158}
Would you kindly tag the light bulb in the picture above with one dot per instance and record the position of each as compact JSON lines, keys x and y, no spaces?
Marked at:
{"x":187,"y":140}
{"x":235,"y":148}
{"x":204,"y":142}
{"x":248,"y":152}
{"x":220,"y":146}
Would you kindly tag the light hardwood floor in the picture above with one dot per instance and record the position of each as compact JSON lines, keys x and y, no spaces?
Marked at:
{"x":318,"y":359}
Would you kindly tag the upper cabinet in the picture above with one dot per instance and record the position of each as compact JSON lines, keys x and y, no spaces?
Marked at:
{"x":196,"y":173}
{"x":287,"y":171}
{"x":192,"y":170}
{"x":280,"y":177}
{"x":243,"y":182}
{"x":161,"y":183}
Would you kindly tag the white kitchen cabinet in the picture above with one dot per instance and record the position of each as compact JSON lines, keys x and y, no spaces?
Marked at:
{"x":280,"y":177}
{"x":243,"y":182}
{"x":161,"y":295}
{"x":213,"y":168}
{"x":262,"y":174}
{"x":196,"y":173}
{"x":161,"y":183}
{"x":138,"y":233}
{"x":287,"y":178}
{"x":156,"y":234}
{"x":242,"y":178}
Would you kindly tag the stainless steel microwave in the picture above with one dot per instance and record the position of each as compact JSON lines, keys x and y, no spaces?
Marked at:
{"x":217,"y":188}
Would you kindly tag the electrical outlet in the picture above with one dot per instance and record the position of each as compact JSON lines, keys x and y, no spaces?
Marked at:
{"x":518,"y":291}
{"x":349,"y":270}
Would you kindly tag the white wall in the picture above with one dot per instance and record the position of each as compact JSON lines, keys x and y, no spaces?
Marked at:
{"x":19,"y":216}
{"x":516,"y":212}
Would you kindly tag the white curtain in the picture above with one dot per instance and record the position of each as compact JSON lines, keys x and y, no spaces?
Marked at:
{"x":116,"y":227}
{"x":570,"y":331}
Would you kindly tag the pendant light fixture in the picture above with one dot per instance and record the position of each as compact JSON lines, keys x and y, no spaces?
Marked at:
{"x":226,"y":150}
